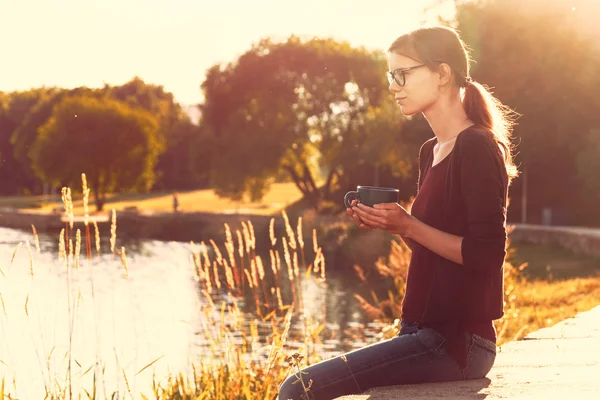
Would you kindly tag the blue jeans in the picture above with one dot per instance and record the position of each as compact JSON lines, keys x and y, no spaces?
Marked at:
{"x":414,"y":356}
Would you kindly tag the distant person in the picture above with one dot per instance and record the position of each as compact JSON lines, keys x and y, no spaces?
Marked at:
{"x":456,"y":229}
{"x":175,"y":202}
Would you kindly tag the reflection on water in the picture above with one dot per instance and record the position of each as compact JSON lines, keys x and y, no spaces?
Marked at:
{"x":116,"y":323}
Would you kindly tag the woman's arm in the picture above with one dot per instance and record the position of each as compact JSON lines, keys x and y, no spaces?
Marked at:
{"x":393,"y":218}
{"x":409,"y":242}
{"x":442,"y":243}
{"x":483,"y":186}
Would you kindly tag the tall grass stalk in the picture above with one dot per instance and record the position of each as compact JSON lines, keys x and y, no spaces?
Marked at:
{"x":243,"y":360}
{"x":395,"y":267}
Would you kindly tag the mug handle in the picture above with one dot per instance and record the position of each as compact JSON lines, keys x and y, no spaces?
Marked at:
{"x":349,"y":197}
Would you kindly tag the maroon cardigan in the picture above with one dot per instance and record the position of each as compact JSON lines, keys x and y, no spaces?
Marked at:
{"x":476,"y":192}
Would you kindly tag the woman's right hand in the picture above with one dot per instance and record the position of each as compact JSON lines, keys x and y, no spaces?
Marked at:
{"x":356,"y":218}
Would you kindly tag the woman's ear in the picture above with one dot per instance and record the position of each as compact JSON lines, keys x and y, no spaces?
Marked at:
{"x":445,"y":73}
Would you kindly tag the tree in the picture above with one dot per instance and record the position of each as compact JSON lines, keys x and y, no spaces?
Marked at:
{"x":542,"y":66}
{"x":175,"y":130}
{"x":185,"y":164}
{"x":135,"y":93}
{"x":280,"y":106}
{"x":13,"y":107}
{"x":115,"y":145}
{"x":26,"y":130}
{"x":588,"y":164}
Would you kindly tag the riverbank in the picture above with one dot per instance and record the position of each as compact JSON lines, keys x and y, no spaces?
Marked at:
{"x":180,"y":226}
{"x":342,"y":243}
{"x":197,"y":226}
{"x":561,"y":299}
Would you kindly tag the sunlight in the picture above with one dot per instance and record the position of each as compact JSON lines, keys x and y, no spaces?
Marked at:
{"x":174,"y":42}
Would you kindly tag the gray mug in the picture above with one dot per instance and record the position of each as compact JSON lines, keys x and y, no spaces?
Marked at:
{"x":371,"y":195}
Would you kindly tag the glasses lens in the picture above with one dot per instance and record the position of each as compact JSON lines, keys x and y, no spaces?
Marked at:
{"x":389,"y":77}
{"x":399,"y":77}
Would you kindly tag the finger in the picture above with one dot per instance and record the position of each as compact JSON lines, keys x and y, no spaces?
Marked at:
{"x":371,"y":219}
{"x":357,"y":219}
{"x":360,"y":222}
{"x":386,"y":206}
{"x":368,"y":212}
{"x":372,"y":211}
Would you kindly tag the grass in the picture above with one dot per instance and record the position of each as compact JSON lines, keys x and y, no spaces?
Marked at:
{"x":541,"y":304}
{"x":543,"y":285}
{"x":230,"y":369}
{"x":556,"y":285}
{"x":22,"y":202}
{"x":277,"y":198}
{"x":553,"y":263}
{"x":536,"y":296}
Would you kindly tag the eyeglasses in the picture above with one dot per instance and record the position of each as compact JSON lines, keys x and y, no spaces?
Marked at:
{"x":399,"y":75}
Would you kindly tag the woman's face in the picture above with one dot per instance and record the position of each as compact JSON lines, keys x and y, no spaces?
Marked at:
{"x":421,"y":85}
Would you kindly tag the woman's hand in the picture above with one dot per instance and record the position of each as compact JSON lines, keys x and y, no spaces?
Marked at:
{"x":355,"y":216}
{"x":390,"y":217}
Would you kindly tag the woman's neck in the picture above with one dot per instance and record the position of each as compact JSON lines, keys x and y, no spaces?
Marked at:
{"x":447,"y":118}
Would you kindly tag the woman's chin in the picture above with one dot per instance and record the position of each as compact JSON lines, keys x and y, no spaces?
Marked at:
{"x":408,"y":111}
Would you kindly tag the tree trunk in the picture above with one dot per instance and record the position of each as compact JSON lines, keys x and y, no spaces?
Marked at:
{"x":306,"y":185}
{"x":98,"y":196}
{"x":327,"y":188}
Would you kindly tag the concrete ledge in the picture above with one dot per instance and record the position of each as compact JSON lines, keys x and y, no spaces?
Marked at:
{"x":560,"y":362}
{"x":576,"y":239}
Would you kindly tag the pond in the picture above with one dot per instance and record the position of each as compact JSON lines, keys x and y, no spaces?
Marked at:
{"x":102,"y":317}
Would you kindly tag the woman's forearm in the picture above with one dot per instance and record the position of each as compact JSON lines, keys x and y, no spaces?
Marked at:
{"x":409,"y":242}
{"x":442,"y":243}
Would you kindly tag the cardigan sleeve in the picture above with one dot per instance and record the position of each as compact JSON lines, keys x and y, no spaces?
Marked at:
{"x":483,"y":183}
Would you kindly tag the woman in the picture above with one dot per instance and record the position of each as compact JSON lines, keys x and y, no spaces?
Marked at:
{"x":456,"y":229}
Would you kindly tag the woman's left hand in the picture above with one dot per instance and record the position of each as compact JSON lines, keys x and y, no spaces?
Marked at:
{"x":390,"y":217}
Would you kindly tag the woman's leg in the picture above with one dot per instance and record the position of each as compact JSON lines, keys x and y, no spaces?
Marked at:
{"x":480,"y":358}
{"x":412,"y":358}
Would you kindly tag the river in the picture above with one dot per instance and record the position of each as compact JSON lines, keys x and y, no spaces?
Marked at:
{"x":117,"y":321}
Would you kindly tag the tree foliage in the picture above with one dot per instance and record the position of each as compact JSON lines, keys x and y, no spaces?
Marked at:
{"x":282,"y":105}
{"x":538,"y":62}
{"x":114,"y":144}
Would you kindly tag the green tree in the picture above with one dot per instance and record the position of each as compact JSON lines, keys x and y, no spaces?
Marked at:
{"x":14,"y":108}
{"x":588,"y":164}
{"x":114,"y":144}
{"x":281,"y":106}
{"x":175,"y":130}
{"x":135,"y":93}
{"x":538,"y":62}
{"x":185,"y":164}
{"x":26,"y":130}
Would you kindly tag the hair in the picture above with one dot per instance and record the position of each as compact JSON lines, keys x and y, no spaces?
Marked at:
{"x":441,"y":45}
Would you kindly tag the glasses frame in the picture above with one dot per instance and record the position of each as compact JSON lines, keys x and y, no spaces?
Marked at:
{"x":392,"y":76}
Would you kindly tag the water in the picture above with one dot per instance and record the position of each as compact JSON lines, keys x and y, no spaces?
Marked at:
{"x":116,"y":322}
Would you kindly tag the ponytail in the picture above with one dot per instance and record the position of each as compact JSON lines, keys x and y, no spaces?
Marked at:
{"x":485,"y":110}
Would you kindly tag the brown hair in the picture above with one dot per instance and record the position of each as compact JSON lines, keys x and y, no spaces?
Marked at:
{"x":436,"y":45}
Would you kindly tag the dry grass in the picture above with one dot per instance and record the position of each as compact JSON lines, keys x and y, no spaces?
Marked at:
{"x":277,"y":198}
{"x":231,"y":367}
{"x":545,"y":303}
{"x":534,"y":298}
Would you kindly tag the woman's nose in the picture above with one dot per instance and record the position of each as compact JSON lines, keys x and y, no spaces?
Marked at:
{"x":394,"y":87}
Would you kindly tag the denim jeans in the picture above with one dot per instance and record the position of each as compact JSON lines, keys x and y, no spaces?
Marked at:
{"x":414,"y":356}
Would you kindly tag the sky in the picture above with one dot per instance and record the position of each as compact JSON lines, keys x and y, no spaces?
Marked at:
{"x":70,"y":43}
